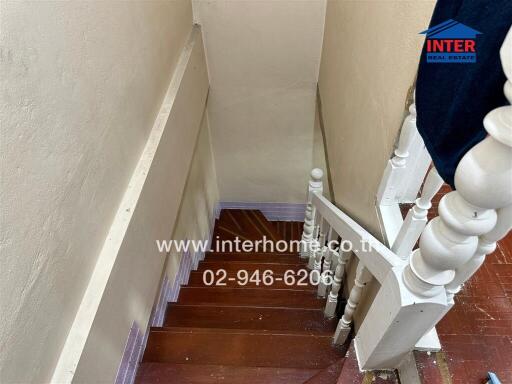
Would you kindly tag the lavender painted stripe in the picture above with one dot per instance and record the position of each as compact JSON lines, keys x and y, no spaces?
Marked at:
{"x":136,"y":341}
{"x":127,"y":367}
{"x":215,"y":216}
{"x":272,"y":211}
{"x":134,"y":359}
{"x":161,"y":304}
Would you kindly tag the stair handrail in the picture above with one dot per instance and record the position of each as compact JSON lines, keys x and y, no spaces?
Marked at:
{"x":417,"y":291}
{"x":378,"y":258}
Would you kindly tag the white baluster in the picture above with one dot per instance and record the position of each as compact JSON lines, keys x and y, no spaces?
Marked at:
{"x":307,"y":233}
{"x":482,"y":179}
{"x":416,"y":218}
{"x":332,"y":298}
{"x":388,"y":189}
{"x":319,"y":253}
{"x":325,"y":268}
{"x":333,"y":238}
{"x":314,"y":185}
{"x":486,"y":245}
{"x":315,"y":244}
{"x":363,"y":276}
{"x":413,"y":299}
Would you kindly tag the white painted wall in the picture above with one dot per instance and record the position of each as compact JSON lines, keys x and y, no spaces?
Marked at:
{"x":263,"y":60}
{"x":82,"y":84}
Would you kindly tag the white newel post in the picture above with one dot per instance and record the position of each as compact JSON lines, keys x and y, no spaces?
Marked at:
{"x":412,"y":299}
{"x":315,"y":185}
{"x":388,"y":188}
{"x":363,"y":277}
{"x":416,"y":218}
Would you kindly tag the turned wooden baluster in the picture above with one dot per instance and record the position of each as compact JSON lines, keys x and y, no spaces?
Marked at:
{"x":363,"y":277}
{"x":307,"y":233}
{"x":412,"y":299}
{"x":416,"y":218}
{"x":314,"y":246}
{"x":320,"y":252}
{"x":325,"y":267}
{"x":314,"y":185}
{"x":498,"y":124}
{"x":483,"y":180}
{"x":486,"y":245}
{"x":332,"y":298}
{"x":386,"y":194}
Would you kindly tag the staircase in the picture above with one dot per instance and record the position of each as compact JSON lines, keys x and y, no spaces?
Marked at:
{"x":245,"y":334}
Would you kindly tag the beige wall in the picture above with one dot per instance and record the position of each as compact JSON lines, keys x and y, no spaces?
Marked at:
{"x":200,"y":197}
{"x":263,"y":59}
{"x":319,"y":153}
{"x":369,"y":60}
{"x":82,"y":84}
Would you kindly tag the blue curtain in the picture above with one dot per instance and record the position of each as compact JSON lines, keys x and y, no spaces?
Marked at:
{"x":453,"y":98}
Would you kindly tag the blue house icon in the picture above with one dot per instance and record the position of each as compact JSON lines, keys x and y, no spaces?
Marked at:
{"x":451,"y":29}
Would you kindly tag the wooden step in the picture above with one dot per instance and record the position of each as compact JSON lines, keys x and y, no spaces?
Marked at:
{"x":243,"y":223}
{"x":289,"y":230}
{"x":240,"y":348}
{"x":329,"y":375}
{"x":275,"y":319}
{"x":248,"y":223}
{"x":225,"y":233}
{"x":165,"y":373}
{"x":280,"y":258}
{"x":266,"y":225}
{"x":255,"y":297}
{"x":196,"y":279}
{"x":232,"y":267}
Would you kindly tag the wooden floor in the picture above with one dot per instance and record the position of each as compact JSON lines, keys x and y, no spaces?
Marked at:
{"x":245,"y":333}
{"x":476,"y":335}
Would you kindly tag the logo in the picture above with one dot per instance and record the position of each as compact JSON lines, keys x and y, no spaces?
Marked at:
{"x":451,"y":42}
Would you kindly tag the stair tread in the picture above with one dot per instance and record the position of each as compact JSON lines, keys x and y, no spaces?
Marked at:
{"x":196,"y":279}
{"x":266,"y":225}
{"x":247,"y":223}
{"x":166,"y":373}
{"x":208,"y":346}
{"x":237,"y":331}
{"x":264,"y":257}
{"x":280,"y":298}
{"x":249,"y":333}
{"x":275,"y":319}
{"x":232,"y":267}
{"x":328,"y":375}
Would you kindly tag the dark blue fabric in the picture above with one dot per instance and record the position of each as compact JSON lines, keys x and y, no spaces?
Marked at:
{"x":452,"y":99}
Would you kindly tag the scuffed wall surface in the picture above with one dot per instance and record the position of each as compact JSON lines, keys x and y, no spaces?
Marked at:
{"x":369,"y":60}
{"x":82,"y":83}
{"x":263,"y":60}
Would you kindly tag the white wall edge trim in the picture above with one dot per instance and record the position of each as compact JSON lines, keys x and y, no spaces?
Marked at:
{"x":82,"y":324}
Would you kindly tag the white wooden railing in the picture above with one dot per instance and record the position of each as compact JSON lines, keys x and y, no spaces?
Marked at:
{"x":416,"y":286}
